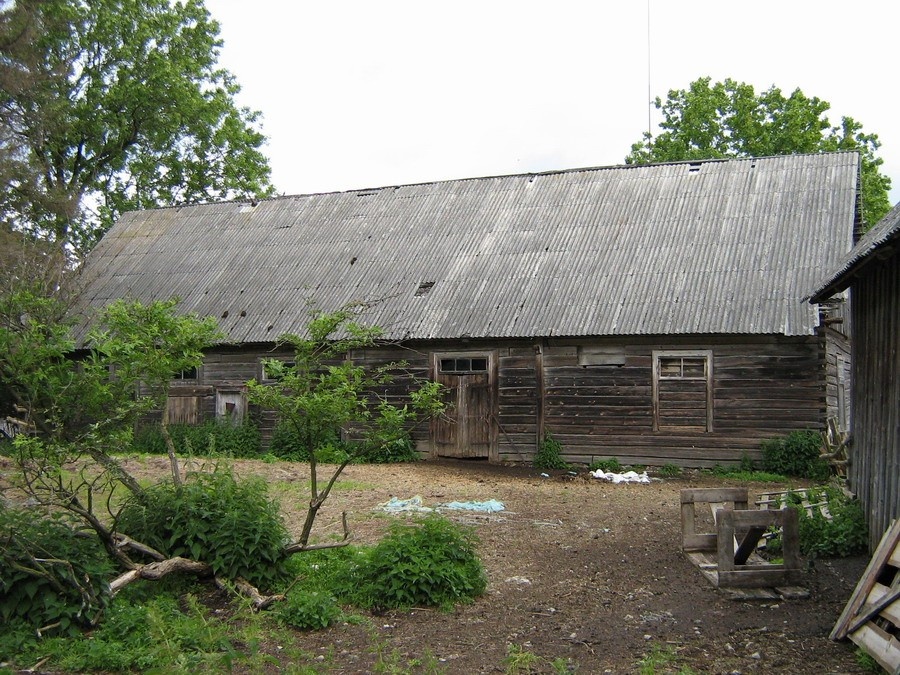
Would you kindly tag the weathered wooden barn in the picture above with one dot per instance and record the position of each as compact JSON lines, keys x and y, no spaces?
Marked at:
{"x":872,"y":273}
{"x":651,"y":313}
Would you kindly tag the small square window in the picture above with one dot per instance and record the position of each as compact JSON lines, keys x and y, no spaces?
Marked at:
{"x":186,"y":374}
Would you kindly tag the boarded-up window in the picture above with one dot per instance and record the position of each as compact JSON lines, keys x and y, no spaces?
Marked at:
{"x":184,"y":410}
{"x":231,"y":405}
{"x":682,"y":391}
{"x":589,"y":355}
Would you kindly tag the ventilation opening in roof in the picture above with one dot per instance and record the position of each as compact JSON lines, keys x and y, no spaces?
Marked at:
{"x":424,"y":288}
{"x":694,"y":167}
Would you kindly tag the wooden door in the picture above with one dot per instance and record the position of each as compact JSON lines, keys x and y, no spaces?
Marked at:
{"x":466,"y":428}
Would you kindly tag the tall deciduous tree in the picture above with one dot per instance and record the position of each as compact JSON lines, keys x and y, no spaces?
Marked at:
{"x":113,"y":105}
{"x":729,"y":119}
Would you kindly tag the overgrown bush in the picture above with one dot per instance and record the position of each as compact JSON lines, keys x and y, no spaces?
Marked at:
{"x":611,"y":464}
{"x":844,"y":535}
{"x":50,"y":577}
{"x":162,"y":634}
{"x":308,"y":610}
{"x":429,"y":563}
{"x":796,"y":454}
{"x":549,"y":455}
{"x":286,"y":444}
{"x":232,"y":525}
{"x":211,"y":439}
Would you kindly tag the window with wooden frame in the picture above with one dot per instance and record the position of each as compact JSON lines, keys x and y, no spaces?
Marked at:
{"x":462,"y":365}
{"x":682,"y":390}
{"x":271,"y":370}
{"x":188,"y":374}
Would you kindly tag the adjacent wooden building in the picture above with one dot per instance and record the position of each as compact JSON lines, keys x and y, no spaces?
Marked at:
{"x":872,"y":273}
{"x":652,"y":313}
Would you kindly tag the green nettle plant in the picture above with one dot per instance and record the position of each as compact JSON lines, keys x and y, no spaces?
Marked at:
{"x":51,"y":579}
{"x":432,"y":563}
{"x":213,"y":438}
{"x":549,"y":455}
{"x":321,"y":391}
{"x":797,"y":454}
{"x":231,"y":525}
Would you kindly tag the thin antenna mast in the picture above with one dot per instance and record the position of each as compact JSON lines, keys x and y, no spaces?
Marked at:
{"x":649,"y":91}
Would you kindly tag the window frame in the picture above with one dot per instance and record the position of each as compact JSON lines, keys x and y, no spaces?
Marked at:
{"x":457,"y":357}
{"x":264,"y":378}
{"x":657,"y":376}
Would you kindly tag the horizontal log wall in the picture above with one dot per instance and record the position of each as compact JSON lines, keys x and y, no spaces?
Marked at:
{"x":762,"y":388}
{"x":875,"y":451}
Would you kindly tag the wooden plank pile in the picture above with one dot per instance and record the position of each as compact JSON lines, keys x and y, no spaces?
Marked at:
{"x":871,"y":618}
{"x":727,"y":557}
{"x":801,"y":498}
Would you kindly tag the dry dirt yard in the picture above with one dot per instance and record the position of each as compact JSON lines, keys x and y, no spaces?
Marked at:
{"x":580,"y":571}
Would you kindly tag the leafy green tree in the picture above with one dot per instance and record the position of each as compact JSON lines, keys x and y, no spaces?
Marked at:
{"x":83,"y":410}
{"x":115,"y":105}
{"x":321,"y":391}
{"x":729,"y":119}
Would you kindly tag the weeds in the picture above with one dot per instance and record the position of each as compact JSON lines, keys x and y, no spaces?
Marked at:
{"x":549,"y":455}
{"x":520,"y":661}
{"x":670,"y":471}
{"x":611,"y":464}
{"x":661,"y":660}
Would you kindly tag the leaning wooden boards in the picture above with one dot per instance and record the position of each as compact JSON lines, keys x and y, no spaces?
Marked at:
{"x":872,"y":616}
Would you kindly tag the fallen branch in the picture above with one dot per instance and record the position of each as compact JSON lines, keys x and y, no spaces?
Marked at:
{"x":157,"y":570}
{"x":258,"y":601}
{"x":124,"y":541}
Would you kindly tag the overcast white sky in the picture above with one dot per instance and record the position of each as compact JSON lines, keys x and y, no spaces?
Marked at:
{"x":363,"y":93}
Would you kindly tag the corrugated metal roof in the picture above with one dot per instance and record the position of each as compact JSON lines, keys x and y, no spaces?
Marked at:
{"x":691,"y":247}
{"x":841,"y":275}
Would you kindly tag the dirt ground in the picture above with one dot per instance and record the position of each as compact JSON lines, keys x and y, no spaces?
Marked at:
{"x":581,"y":572}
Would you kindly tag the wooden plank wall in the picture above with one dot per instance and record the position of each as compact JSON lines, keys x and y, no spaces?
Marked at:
{"x":875,"y":451}
{"x":762,"y":388}
{"x":838,"y":392}
{"x":237,"y":366}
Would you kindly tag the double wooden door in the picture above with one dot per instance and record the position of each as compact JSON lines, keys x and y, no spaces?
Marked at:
{"x":466,"y":429}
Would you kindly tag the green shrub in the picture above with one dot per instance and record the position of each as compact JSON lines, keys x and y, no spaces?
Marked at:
{"x":611,"y":464}
{"x":391,"y":451}
{"x":50,"y":577}
{"x":844,"y":535}
{"x":388,"y":440}
{"x":308,"y":610}
{"x":747,"y":464}
{"x":286,"y":444}
{"x":797,"y":454}
{"x":549,"y":455}
{"x":430,"y":563}
{"x":210,"y":439}
{"x":230,"y":524}
{"x":163,"y":634}
{"x":670,"y":471}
